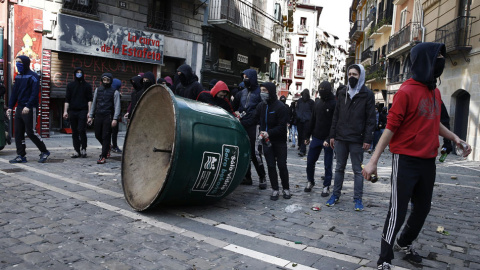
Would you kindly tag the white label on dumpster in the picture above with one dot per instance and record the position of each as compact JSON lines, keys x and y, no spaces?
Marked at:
{"x":227,"y":169}
{"x":208,"y":171}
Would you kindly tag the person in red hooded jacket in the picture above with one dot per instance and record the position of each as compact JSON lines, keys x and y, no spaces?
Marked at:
{"x":218,"y":96}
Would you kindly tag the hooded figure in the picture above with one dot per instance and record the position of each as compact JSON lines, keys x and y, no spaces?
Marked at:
{"x":78,"y":100}
{"x":426,"y":67}
{"x":304,"y":109}
{"x":273,"y":117}
{"x":25,"y":96}
{"x":283,"y":99}
{"x":218,"y":96}
{"x":189,"y":87}
{"x":137,"y":84}
{"x":169,"y":81}
{"x":148,"y":80}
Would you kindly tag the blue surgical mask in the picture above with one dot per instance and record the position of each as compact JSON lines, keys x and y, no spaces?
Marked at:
{"x":19,"y":67}
{"x":264,"y":97}
{"x":78,"y":75}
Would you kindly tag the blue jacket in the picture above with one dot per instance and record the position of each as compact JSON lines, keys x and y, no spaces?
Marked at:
{"x":26,"y":88}
{"x":249,"y":99}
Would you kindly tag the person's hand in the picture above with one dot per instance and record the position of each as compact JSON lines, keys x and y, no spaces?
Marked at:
{"x":370,"y":169}
{"x":114,"y":123}
{"x":332,"y":143}
{"x":126,"y":115}
{"x":89,"y":120}
{"x":307,"y":141}
{"x":65,"y":115}
{"x":9,"y":112}
{"x":25,"y":110}
{"x":325,"y":144}
{"x":366,"y":146}
{"x":264,"y":134}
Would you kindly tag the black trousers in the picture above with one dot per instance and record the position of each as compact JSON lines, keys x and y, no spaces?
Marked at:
{"x":78,"y":123}
{"x":103,"y":132}
{"x":302,"y":128}
{"x":257,"y":161}
{"x":412,"y":179}
{"x":276,"y":156}
{"x":115,"y":135}
{"x":25,"y":123}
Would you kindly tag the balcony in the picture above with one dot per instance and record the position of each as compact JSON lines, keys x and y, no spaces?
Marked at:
{"x":376,"y":72}
{"x":399,"y":78}
{"x":302,"y":29}
{"x":80,"y":7}
{"x":404,"y":38}
{"x":159,"y":21}
{"x":246,"y":20}
{"x":357,"y":30}
{"x":302,"y":50}
{"x":367,"y":54}
{"x":456,"y":34}
{"x":300,"y":73}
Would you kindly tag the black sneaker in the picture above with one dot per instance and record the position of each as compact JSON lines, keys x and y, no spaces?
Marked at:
{"x":76,"y":155}
{"x":247,"y":181}
{"x":325,"y":192}
{"x":384,"y":266}
{"x":263,"y":183}
{"x":43,"y":157}
{"x":286,"y":194}
{"x":309,"y":186}
{"x":301,"y":154}
{"x":410,"y":254}
{"x":274,"y":195}
{"x":19,"y":159}
{"x":117,"y":150}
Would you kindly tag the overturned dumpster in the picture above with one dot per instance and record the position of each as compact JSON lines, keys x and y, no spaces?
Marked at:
{"x":179,"y":151}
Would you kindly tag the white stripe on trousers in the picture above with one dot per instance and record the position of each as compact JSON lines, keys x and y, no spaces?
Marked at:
{"x":393,"y":210}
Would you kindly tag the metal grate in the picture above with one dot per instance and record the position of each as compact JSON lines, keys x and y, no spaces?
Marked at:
{"x":455,"y":34}
{"x":86,"y":6}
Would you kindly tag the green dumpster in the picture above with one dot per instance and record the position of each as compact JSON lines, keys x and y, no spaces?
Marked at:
{"x":2,"y":126}
{"x":179,"y":151}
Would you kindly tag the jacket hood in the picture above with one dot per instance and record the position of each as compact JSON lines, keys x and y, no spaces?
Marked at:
{"x":116,"y":84}
{"x":136,"y":82}
{"x":283,"y":99}
{"x":149,"y":75}
{"x":326,"y":93}
{"x":423,"y":57}
{"x":325,"y":85}
{"x":252,"y":76}
{"x":219,"y":86}
{"x":75,"y":72}
{"x":161,"y":80}
{"x":187,"y":71}
{"x":272,"y":91}
{"x":168,"y":80}
{"x":305,"y":94}
{"x":25,"y":62}
{"x":106,"y":74}
{"x":361,"y":79}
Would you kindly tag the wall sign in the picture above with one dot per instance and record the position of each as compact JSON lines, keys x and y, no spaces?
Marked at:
{"x":242,"y":58}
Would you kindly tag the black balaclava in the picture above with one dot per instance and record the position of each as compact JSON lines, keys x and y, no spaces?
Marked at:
{"x":326,"y":89}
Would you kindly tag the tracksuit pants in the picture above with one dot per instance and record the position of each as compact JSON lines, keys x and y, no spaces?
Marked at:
{"x":25,"y":123}
{"x":412,"y":179}
{"x":78,"y":123}
{"x":103,"y":132}
{"x":276,"y":156}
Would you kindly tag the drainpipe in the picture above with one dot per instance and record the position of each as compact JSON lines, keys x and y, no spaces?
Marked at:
{"x":423,"y":27}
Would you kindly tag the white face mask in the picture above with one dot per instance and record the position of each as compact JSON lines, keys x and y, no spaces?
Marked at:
{"x":78,"y":75}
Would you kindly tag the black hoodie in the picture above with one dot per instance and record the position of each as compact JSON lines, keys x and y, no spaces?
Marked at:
{"x":189,"y":87}
{"x":272,"y":116}
{"x":322,"y":114}
{"x":140,"y":87}
{"x":304,"y":107}
{"x":79,"y":93}
{"x":424,"y":58}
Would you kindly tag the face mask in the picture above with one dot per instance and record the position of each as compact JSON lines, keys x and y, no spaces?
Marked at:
{"x":19,"y":67}
{"x":183,"y":80}
{"x":439,"y":66}
{"x":78,"y":75}
{"x":106,"y":85}
{"x":147,"y":84}
{"x":247,"y":83}
{"x":323,"y":94}
{"x":352,"y":81}
{"x":264,"y":97}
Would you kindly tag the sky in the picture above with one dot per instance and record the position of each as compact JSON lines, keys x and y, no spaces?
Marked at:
{"x":334,"y":18}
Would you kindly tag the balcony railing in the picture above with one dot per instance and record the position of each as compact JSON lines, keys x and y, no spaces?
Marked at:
{"x":246,"y":16}
{"x":85,"y":6}
{"x":411,"y":32}
{"x":385,"y":16}
{"x":300,"y":73}
{"x":367,"y":54}
{"x":376,"y":71}
{"x":455,"y":34}
{"x":302,"y":50}
{"x":356,"y":30}
{"x":159,"y":21}
{"x":302,"y":29}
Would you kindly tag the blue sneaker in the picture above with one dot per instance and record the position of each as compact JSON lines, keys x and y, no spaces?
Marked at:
{"x":332,"y":200}
{"x":358,"y":205}
{"x":19,"y":159}
{"x":43,"y":157}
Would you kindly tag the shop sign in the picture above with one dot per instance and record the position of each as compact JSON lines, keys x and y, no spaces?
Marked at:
{"x":82,"y":36}
{"x":242,"y":58}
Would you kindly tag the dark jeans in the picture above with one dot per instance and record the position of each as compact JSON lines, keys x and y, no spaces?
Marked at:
{"x":257,"y":161}
{"x":376,"y":136}
{"x":78,"y":123}
{"x":302,"y":128}
{"x":277,"y":155}
{"x":103,"y":132}
{"x":412,"y":179}
{"x":25,"y":123}
{"x":316,"y":146}
{"x":342,"y":150}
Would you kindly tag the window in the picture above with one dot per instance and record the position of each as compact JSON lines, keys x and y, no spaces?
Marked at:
{"x":87,"y":6}
{"x":159,"y":15}
{"x":300,"y":71}
{"x":403,"y":18}
{"x":303,"y":21}
{"x":298,"y":87}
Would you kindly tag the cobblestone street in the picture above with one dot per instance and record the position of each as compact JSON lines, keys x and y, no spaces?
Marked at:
{"x":71,"y":213}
